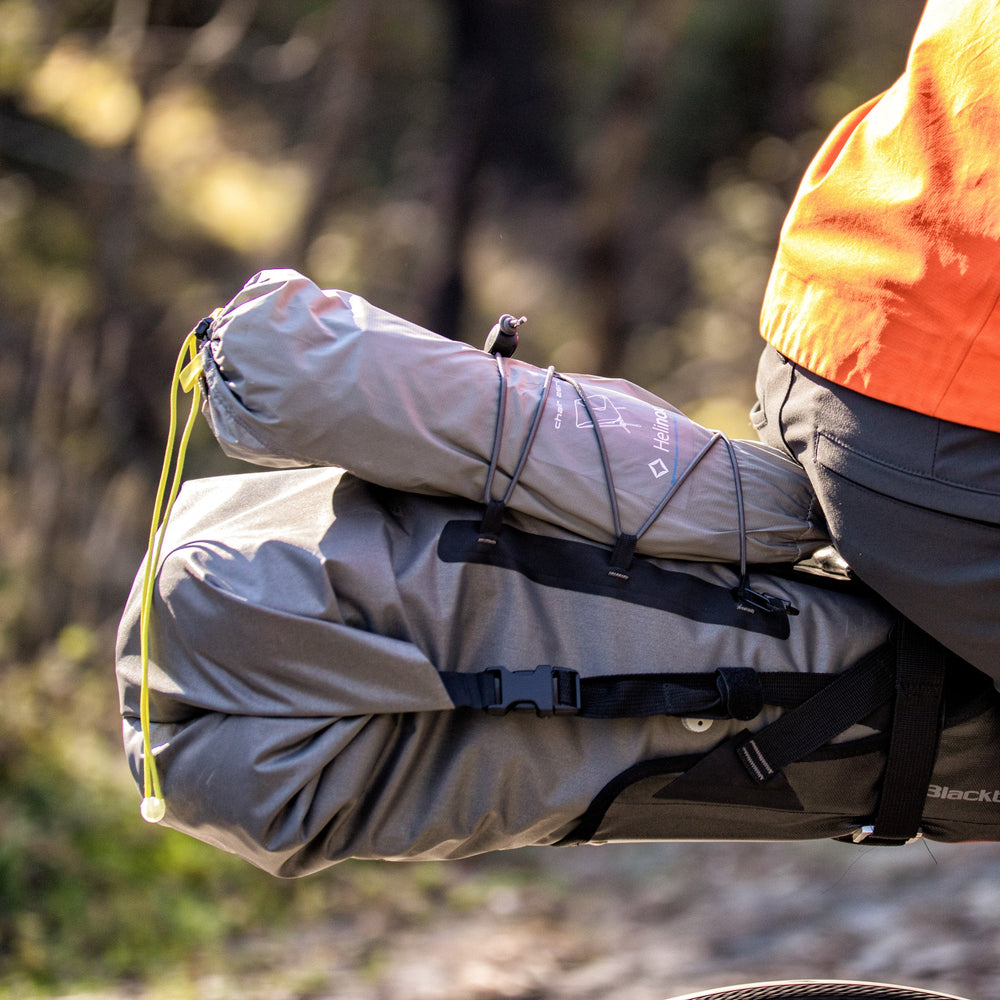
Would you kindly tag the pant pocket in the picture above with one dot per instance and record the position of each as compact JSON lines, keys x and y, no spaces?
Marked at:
{"x":915,"y":488}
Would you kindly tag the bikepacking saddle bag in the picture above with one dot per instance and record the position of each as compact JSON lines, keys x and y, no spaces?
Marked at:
{"x":330,"y":668}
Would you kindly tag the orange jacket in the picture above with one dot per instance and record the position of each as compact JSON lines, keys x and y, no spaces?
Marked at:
{"x":887,"y":275}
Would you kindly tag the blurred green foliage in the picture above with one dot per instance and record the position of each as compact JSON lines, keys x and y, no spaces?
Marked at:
{"x":86,"y":893}
{"x":616,"y":171}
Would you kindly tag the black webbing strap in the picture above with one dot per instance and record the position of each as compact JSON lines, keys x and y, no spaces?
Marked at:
{"x":908,"y":672}
{"x":492,"y":522}
{"x":911,"y":673}
{"x":916,"y":728}
{"x":847,"y":699}
{"x":729,"y":692}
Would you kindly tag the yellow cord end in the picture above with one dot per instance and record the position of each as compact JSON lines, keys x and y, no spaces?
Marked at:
{"x":186,"y":373}
{"x":153,"y":809}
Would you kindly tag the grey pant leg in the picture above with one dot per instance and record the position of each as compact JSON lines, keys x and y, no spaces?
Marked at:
{"x":912,"y":503}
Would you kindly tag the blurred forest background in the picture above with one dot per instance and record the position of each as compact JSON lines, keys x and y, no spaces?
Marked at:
{"x":617,"y":171}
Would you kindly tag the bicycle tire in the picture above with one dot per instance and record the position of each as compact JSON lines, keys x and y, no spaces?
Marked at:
{"x":814,"y":989}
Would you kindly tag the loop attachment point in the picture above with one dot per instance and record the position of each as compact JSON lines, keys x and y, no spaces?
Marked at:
{"x":492,"y":522}
{"x":622,"y":556}
{"x":752,"y":601}
{"x":740,"y":692}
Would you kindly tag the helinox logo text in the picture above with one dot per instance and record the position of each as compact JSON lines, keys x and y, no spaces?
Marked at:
{"x":958,"y":794}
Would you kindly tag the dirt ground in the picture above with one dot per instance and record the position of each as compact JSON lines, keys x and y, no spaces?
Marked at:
{"x":644,"y":922}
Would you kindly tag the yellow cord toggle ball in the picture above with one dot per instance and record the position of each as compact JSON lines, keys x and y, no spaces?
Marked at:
{"x":153,"y":809}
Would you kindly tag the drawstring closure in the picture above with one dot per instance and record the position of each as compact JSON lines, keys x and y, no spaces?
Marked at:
{"x":186,"y":377}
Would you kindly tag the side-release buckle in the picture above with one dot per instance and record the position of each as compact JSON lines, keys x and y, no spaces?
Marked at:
{"x":546,"y":689}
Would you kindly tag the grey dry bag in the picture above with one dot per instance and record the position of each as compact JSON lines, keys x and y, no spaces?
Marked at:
{"x":341,"y":668}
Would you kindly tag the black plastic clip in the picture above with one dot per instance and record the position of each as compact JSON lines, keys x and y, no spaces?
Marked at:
{"x":753,"y":601}
{"x":546,"y":689}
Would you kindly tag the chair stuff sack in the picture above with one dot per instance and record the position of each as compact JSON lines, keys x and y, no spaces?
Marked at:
{"x":299,"y":376}
{"x":344,"y":669}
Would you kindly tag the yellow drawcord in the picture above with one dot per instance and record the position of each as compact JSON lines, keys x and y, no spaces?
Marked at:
{"x":186,"y":377}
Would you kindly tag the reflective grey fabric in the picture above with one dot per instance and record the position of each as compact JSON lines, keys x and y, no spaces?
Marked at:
{"x":299,"y":376}
{"x":300,"y":621}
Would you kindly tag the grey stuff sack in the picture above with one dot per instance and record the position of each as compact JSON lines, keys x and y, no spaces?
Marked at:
{"x":298,"y":376}
{"x":341,"y":670}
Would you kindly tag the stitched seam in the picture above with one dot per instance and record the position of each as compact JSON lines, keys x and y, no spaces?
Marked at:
{"x":908,"y":505}
{"x":792,"y":372}
{"x":895,"y":468}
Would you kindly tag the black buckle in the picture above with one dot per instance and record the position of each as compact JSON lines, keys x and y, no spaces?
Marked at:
{"x":548,"y":690}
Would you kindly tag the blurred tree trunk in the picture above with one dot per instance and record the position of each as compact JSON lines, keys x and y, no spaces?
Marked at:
{"x":333,"y":110}
{"x":616,"y":160}
{"x":796,"y":53}
{"x":499,"y":115}
{"x":85,"y":386}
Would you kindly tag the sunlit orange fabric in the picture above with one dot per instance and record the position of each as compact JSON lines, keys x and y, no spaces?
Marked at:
{"x":887,"y":275}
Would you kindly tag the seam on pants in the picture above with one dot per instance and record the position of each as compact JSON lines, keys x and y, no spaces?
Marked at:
{"x":784,"y":400}
{"x":896,"y":467}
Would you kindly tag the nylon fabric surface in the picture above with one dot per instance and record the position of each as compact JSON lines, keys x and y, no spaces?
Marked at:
{"x":299,"y":624}
{"x":297,"y":376}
